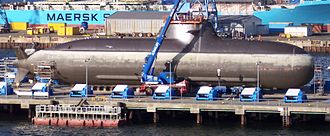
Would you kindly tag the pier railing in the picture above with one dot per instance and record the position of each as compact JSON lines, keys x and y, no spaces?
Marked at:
{"x":73,"y":112}
{"x":229,"y":101}
{"x":77,"y":110}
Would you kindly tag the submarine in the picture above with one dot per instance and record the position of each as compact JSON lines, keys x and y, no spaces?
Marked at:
{"x":194,"y":51}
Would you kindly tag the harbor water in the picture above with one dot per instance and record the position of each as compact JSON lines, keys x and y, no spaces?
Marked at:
{"x":180,"y":127}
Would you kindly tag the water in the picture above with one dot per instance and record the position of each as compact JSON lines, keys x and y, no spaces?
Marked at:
{"x":181,"y":128}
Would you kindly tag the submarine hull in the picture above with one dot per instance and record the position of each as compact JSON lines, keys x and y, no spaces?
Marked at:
{"x":276,"y":71}
{"x":196,"y":55}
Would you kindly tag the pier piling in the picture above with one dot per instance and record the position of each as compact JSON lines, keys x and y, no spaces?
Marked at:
{"x":286,"y":119}
{"x":216,"y":115}
{"x":156,"y":117}
{"x":130,"y":116}
{"x":259,"y":116}
{"x":243,"y":120}
{"x":304,"y":117}
{"x":173,"y":114}
{"x":199,"y":118}
{"x":30,"y":113}
{"x":11,"y":108}
{"x":327,"y":117}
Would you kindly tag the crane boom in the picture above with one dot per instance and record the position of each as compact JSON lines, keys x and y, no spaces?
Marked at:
{"x":147,"y":74}
{"x":214,"y":12}
{"x":148,"y":67}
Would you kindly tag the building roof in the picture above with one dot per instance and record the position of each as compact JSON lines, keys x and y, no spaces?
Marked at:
{"x":138,"y":15}
{"x":236,"y":18}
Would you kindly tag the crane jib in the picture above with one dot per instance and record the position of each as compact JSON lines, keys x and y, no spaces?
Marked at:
{"x":148,"y":67}
{"x":155,"y":48}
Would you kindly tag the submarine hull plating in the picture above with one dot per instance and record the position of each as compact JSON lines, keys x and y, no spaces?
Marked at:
{"x":196,"y":55}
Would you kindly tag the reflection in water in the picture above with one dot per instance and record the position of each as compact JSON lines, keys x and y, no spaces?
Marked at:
{"x":226,"y":128}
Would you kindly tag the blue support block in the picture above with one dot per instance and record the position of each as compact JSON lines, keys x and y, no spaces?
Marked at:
{"x":6,"y":89}
{"x":294,"y":96}
{"x":122,"y":91}
{"x":208,"y":93}
{"x":253,"y":94}
{"x":81,"y":90}
{"x":163,"y":92}
{"x":42,"y":89}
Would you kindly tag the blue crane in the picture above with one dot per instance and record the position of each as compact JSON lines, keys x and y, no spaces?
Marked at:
{"x":147,"y":74}
{"x":214,"y":16}
{"x":148,"y":67}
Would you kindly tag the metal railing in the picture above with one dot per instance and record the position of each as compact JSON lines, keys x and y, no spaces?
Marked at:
{"x":70,"y":109}
{"x":226,"y":101}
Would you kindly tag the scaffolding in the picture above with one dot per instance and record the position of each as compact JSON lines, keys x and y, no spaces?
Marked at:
{"x":6,"y":66}
{"x":318,"y":80}
{"x":44,"y":71}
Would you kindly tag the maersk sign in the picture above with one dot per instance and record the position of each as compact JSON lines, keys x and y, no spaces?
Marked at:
{"x":94,"y":17}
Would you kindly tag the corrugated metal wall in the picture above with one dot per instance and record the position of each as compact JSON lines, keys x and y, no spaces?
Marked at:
{"x":130,"y":26}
